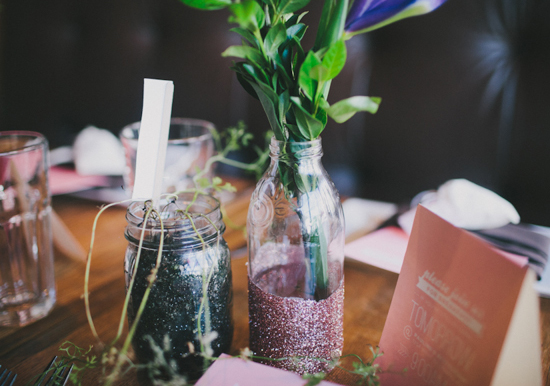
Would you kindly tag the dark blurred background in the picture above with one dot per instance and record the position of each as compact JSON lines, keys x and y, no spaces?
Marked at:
{"x":466,"y":89}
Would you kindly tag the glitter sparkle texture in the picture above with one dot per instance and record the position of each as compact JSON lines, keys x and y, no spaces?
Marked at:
{"x":283,"y":327}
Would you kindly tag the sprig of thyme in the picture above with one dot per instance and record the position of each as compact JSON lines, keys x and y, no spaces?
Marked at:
{"x":368,"y":371}
{"x":80,"y":358}
{"x":234,"y":138}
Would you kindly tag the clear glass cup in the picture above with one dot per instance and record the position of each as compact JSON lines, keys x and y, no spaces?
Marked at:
{"x":190,"y":145}
{"x":27,"y":285}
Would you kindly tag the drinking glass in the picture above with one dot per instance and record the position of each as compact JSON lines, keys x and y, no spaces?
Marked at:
{"x":27,"y":285}
{"x":190,"y":145}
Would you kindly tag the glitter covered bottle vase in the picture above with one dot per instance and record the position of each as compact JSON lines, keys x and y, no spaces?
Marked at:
{"x":308,"y":333}
{"x":296,"y":251}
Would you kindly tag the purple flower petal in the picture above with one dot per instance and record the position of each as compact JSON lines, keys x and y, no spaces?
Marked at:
{"x":367,"y":13}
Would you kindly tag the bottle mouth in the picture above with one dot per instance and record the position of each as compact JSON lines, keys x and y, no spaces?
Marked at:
{"x":181,"y":221}
{"x":296,"y":150}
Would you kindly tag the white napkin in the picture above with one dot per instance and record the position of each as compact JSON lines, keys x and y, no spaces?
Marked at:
{"x":98,"y":152}
{"x":465,"y":205}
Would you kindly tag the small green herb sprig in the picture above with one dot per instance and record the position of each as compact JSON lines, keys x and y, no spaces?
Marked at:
{"x":80,"y":359}
{"x":233,"y":139}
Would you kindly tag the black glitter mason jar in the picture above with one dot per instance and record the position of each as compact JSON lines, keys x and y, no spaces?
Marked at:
{"x":189,"y":307}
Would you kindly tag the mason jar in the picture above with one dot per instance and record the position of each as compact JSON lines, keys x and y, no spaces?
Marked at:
{"x":188,"y":312}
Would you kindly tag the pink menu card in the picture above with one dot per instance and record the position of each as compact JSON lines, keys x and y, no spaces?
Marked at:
{"x":463,"y":313}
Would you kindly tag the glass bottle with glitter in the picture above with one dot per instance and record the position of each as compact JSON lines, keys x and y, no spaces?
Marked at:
{"x":189,"y":306}
{"x":296,"y":251}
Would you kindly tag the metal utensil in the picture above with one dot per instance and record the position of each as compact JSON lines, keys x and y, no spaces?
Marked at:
{"x":59,"y":374}
{"x":7,"y":377}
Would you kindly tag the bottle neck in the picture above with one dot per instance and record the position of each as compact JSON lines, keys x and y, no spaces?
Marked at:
{"x":296,"y":152}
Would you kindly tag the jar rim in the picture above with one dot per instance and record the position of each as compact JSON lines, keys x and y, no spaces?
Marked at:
{"x":171,"y":210}
{"x":34,"y":140}
{"x":203,"y":223}
{"x":130,"y":132}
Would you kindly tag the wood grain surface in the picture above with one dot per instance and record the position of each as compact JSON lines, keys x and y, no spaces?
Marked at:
{"x":28,"y":350}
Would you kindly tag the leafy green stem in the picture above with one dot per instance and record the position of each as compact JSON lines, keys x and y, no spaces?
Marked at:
{"x":88,"y":267}
{"x":122,"y":357}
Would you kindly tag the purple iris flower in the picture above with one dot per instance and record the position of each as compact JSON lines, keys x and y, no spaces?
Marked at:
{"x":366,"y":15}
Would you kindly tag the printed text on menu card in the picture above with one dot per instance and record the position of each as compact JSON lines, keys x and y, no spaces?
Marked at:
{"x":452,"y":311}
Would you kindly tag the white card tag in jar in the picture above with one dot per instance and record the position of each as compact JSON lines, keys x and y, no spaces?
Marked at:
{"x":153,"y":139}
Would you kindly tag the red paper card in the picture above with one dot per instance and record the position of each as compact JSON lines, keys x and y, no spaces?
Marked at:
{"x":455,"y":318}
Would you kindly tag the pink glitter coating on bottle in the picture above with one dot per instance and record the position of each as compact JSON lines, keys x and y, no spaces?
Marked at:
{"x":299,"y":329}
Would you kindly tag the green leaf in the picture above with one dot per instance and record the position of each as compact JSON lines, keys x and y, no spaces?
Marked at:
{"x":248,"y":14}
{"x":290,"y":6}
{"x":300,"y":180}
{"x":284,"y":69}
{"x":296,"y":31}
{"x":274,"y":81}
{"x":246,"y":35}
{"x":248,"y":74}
{"x":286,"y":61}
{"x":334,"y":60}
{"x":310,"y":127}
{"x":255,"y":72}
{"x":295,"y":19}
{"x":306,"y":183}
{"x":274,"y":38}
{"x":293,"y":129}
{"x":202,"y":182}
{"x":319,"y":73}
{"x":305,"y":81}
{"x":284,"y":105}
{"x":321,"y":265}
{"x":345,"y":109}
{"x":246,"y":85}
{"x":321,"y":117}
{"x":331,"y":24}
{"x":299,"y":57}
{"x":244,"y":52}
{"x":269,"y":100}
{"x":207,"y":4}
{"x":288,"y":48}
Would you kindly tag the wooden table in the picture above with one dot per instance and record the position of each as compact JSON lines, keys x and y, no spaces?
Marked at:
{"x":27,"y":350}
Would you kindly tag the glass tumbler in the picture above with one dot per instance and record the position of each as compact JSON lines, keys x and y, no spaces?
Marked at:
{"x":27,"y":285}
{"x":190,"y":145}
